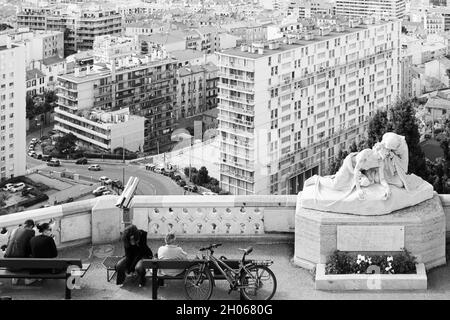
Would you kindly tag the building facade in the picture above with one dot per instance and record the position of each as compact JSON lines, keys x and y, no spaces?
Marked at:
{"x":12,"y":110}
{"x":286,"y":108}
{"x":392,"y":9}
{"x":196,"y":90}
{"x":144,"y":84}
{"x":80,"y":26}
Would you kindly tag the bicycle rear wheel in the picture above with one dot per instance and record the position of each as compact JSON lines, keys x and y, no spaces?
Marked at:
{"x":198,"y":283}
{"x":260,"y":283}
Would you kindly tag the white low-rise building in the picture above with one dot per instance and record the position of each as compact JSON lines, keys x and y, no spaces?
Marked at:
{"x":107,"y":130}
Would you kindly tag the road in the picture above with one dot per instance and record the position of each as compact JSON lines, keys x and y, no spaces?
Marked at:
{"x":150,"y":183}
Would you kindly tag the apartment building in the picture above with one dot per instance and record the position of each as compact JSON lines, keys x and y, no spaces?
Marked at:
{"x":39,"y":44}
{"x":196,"y":90}
{"x":392,"y":9}
{"x":287,"y":107}
{"x":103,"y":129}
{"x":80,"y":25}
{"x":308,"y":8}
{"x":434,"y":23}
{"x":144,"y":84}
{"x":12,"y":109}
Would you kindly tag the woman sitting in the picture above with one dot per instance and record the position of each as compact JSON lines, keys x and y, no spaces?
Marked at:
{"x":43,"y":245}
{"x":136,"y":249}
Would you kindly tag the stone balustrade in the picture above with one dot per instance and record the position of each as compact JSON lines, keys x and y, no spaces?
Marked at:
{"x":214,"y":215}
{"x":98,"y":221}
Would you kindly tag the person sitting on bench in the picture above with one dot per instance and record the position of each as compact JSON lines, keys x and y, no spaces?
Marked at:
{"x":18,"y":245}
{"x":136,"y":249}
{"x":173,"y":252}
{"x":43,"y":246}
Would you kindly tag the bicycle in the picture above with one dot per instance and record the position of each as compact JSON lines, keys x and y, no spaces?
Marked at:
{"x":253,"y":279}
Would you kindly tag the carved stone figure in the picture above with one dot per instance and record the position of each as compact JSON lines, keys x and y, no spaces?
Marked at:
{"x":371,"y":182}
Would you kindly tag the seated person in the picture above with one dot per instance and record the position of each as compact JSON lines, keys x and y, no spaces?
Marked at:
{"x":171,"y":251}
{"x":136,"y":249}
{"x":18,"y":245}
{"x":43,"y":246}
{"x":19,"y":241}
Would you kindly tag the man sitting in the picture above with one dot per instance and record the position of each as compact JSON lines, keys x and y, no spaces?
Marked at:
{"x":173,"y":252}
{"x":19,"y":245}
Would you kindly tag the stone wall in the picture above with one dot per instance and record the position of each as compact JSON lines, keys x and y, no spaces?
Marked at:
{"x":99,"y":221}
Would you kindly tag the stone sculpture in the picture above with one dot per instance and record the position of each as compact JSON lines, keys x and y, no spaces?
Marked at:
{"x":370,"y":182}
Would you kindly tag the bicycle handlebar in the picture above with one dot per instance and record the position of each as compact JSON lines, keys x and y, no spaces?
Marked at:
{"x":210,"y":247}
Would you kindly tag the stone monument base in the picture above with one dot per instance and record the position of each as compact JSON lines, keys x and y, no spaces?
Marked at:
{"x":420,"y":229}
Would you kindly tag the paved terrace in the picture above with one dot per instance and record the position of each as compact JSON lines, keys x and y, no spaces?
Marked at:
{"x":90,"y":229}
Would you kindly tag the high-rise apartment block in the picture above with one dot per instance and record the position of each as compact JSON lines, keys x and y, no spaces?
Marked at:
{"x":391,"y":9}
{"x":12,"y":109}
{"x":80,"y":25}
{"x":117,"y":80}
{"x":287,"y":107}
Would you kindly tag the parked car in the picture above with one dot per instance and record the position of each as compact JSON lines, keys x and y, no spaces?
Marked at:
{"x":107,"y":192}
{"x":99,"y":191}
{"x":46,"y":158}
{"x":8,"y":186}
{"x":34,"y":140}
{"x":26,"y":191}
{"x":32,"y":153}
{"x":150,"y":166}
{"x":208,"y":193}
{"x":182,"y":183}
{"x":191,"y":188}
{"x":39,"y":156}
{"x":81,"y":161}
{"x":108,"y":181}
{"x":94,"y":167}
{"x":69,"y":200}
{"x":103,"y":178}
{"x":176,"y":177}
{"x":51,"y":132}
{"x":159,"y":170}
{"x":53,"y":163}
{"x":18,"y":187}
{"x":117,"y":184}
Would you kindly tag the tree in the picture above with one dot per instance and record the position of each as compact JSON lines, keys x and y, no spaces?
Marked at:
{"x":402,"y":120}
{"x":66,"y":144}
{"x":3,"y":197}
{"x":30,"y":106}
{"x":203,"y":176}
{"x":377,"y":127}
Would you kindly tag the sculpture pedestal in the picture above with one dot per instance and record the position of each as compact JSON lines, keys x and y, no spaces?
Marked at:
{"x":316,"y":232}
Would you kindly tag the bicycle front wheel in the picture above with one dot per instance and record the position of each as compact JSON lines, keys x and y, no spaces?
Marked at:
{"x":259,"y":283}
{"x":198,"y":283}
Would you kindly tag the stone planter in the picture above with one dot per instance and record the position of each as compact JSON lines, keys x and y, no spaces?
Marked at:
{"x":342,"y":282}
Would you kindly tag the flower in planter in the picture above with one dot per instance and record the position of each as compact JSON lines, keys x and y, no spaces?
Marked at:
{"x":390,"y":258}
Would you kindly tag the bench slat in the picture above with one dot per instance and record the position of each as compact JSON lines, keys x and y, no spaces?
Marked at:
{"x":24,"y":274}
{"x":38,"y":263}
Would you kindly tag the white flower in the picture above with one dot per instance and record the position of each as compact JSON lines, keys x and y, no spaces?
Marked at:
{"x":390,"y":258}
{"x":362,"y":257}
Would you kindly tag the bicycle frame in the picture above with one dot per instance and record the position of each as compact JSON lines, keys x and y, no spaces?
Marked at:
{"x":235,"y":272}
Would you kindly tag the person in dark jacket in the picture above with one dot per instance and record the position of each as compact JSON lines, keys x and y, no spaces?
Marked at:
{"x":19,"y":241}
{"x":43,"y":245}
{"x":136,"y":249}
{"x":18,"y":245}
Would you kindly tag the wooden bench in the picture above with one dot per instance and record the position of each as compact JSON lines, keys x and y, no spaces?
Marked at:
{"x":155,"y":264}
{"x":23,"y":265}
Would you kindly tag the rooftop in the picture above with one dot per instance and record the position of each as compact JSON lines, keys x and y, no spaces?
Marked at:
{"x":296,"y":43}
{"x":34,"y":73}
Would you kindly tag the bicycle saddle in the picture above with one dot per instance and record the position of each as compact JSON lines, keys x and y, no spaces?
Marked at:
{"x":247,"y":250}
